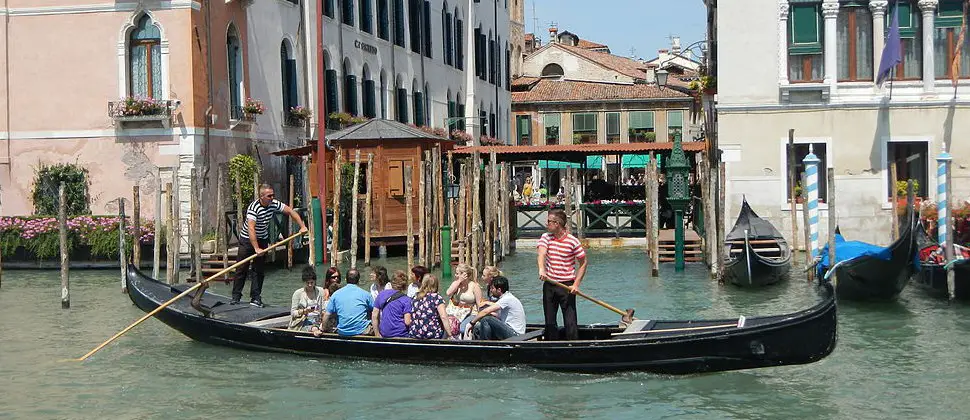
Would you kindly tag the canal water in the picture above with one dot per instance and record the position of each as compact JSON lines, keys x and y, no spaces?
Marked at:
{"x":906,"y":359}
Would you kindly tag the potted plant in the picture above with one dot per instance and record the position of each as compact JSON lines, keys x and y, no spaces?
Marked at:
{"x":798,"y":193}
{"x":253,"y":107}
{"x":130,"y":107}
{"x":902,"y":189}
{"x":301,"y":113}
{"x":460,"y":136}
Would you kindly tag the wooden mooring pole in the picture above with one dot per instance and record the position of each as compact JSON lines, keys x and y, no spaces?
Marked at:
{"x":653,"y":228}
{"x":289,"y":223}
{"x":409,"y":214}
{"x":792,"y":182}
{"x":122,"y":261}
{"x":222,"y":233}
{"x":62,"y":237}
{"x":195,"y":234}
{"x":895,"y":200}
{"x":170,"y":251}
{"x":136,"y":227}
{"x":422,"y":211}
{"x":476,"y":224}
{"x":833,"y":218}
{"x":354,"y":219}
{"x":337,"y":190}
{"x":721,"y":175}
{"x":367,"y":207}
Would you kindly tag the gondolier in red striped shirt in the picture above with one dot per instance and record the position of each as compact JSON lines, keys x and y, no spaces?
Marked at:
{"x":559,"y":254}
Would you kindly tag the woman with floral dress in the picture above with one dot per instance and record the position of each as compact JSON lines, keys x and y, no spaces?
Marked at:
{"x":428,"y":318}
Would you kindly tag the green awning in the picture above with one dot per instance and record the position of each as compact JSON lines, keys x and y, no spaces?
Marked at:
{"x":555,"y":164}
{"x":638,"y":161}
{"x":594,"y":162}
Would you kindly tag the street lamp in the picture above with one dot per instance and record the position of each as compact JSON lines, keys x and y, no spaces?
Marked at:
{"x":662,"y":78}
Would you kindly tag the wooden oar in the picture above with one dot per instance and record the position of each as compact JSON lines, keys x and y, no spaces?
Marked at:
{"x":183,"y":294}
{"x":626,"y":316}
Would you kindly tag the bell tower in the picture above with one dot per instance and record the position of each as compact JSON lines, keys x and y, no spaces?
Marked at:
{"x":517,"y":34}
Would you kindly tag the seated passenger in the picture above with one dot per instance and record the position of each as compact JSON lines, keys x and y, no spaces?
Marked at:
{"x":352,"y":306}
{"x":417,"y":276}
{"x":332,"y":280}
{"x":465,"y":296}
{"x":392,"y":309}
{"x":488,"y":274}
{"x":511,"y":316}
{"x":307,"y":303}
{"x":428,"y":318}
{"x":378,"y":281}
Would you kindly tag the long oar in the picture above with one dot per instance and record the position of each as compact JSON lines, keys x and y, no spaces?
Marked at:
{"x":626,"y":316}
{"x":183,"y":294}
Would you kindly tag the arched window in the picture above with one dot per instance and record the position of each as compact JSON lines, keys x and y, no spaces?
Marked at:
{"x":459,"y":42}
{"x":370,"y":110}
{"x":332,"y":104}
{"x":350,"y":90}
{"x":552,"y":70}
{"x":234,"y":53}
{"x":145,"y":60}
{"x":401,"y":100}
{"x":446,"y":35}
{"x":289,"y":81}
{"x":418,"y":98}
{"x":383,"y":95}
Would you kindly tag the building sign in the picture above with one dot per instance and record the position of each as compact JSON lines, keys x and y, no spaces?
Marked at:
{"x":365,"y":47}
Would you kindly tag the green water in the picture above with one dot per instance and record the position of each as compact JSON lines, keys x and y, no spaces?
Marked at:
{"x":906,"y":359}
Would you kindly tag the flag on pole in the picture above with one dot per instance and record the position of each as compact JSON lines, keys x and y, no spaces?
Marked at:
{"x":955,"y":65}
{"x":892,"y":54}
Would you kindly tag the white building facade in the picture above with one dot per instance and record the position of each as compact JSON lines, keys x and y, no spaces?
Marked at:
{"x":440,"y":63}
{"x":810,"y":66}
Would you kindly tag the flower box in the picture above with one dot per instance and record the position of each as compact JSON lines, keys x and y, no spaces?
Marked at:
{"x":140,"y":110}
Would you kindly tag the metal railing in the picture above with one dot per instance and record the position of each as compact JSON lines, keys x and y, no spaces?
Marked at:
{"x":619,"y":220}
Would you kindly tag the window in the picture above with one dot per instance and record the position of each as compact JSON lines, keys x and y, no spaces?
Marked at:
{"x":145,"y":60}
{"x":491,"y":124}
{"x":491,"y":61}
{"x":552,"y":70}
{"x":552,"y":122}
{"x":418,"y":99}
{"x":461,"y":113}
{"x":801,"y":150}
{"x":508,"y":74}
{"x":328,"y":8}
{"x":350,"y":92}
{"x":584,"y":128}
{"x":675,"y":124}
{"x":911,"y":159}
{"x":523,"y":130}
{"x":641,"y":127}
{"x":399,"y":23}
{"x":402,"y":105}
{"x":366,"y":18}
{"x":479,"y":62}
{"x":414,"y":24}
{"x":452,"y":113}
{"x":332,"y":104}
{"x":395,"y":178}
{"x":382,"y":20}
{"x":426,"y":29}
{"x":854,"y":43}
{"x":912,"y":40}
{"x":347,"y":12}
{"x":447,"y":36}
{"x":459,"y":43}
{"x":289,"y":82}
{"x":234,"y":54}
{"x":612,"y":127}
{"x":805,"y":43}
{"x":945,"y":48}
{"x":370,"y":106}
{"x":383,"y":95}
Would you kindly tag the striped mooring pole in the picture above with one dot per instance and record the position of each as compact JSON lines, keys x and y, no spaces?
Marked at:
{"x":942,"y":161}
{"x":811,"y":174}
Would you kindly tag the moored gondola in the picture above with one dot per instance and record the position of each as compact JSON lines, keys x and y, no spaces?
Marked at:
{"x":757,"y":254}
{"x":865,"y":271}
{"x":671,"y":347}
{"x":932,"y":273}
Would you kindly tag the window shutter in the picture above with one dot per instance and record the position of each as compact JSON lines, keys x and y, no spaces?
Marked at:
{"x":347,"y":14}
{"x":414,"y":24}
{"x":418,"y":99}
{"x":399,"y":22}
{"x":382,"y":19}
{"x":395,"y":178}
{"x":461,"y":113}
{"x":350,"y":94}
{"x":402,"y":105}
{"x":365,"y":16}
{"x":491,"y":124}
{"x":805,"y":28}
{"x":449,"y":41}
{"x":293,"y":94}
{"x":332,"y":94}
{"x":370,"y":110}
{"x":451,"y":114}
{"x":675,"y":118}
{"x":460,"y":46}
{"x":426,"y":29}
{"x":328,"y":8}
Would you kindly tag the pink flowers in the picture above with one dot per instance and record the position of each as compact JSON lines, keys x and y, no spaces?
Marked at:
{"x":83,"y":226}
{"x":130,"y":107}
{"x":254,"y":107}
{"x":301,"y":112}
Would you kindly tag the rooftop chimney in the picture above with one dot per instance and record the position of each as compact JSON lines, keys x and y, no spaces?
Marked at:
{"x":675,"y":45}
{"x":553,"y":34}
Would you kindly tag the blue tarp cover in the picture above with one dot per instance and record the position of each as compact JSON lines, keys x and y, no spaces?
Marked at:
{"x":847,"y":250}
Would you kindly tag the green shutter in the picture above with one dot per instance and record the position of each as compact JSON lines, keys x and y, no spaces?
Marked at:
{"x":805,"y":29}
{"x":908,"y":21}
{"x":641,"y":119}
{"x":418,"y":99}
{"x":328,"y":8}
{"x":949,"y":14}
{"x":402,"y":105}
{"x":461,"y":113}
{"x":370,"y":108}
{"x":612,"y":123}
{"x":332,"y":102}
{"x":365,"y":16}
{"x":675,"y":119}
{"x":350,"y":94}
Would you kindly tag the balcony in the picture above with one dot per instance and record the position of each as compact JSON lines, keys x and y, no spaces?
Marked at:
{"x":141,"y":113}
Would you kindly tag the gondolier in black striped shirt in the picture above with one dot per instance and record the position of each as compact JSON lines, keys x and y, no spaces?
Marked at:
{"x":253,"y":238}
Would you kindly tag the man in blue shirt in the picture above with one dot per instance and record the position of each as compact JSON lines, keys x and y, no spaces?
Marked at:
{"x":352,"y":306}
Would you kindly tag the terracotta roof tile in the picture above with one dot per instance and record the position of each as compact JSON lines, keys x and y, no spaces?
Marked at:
{"x":530,"y":37}
{"x":547,"y":90}
{"x":590,"y":44}
{"x":525,"y":81}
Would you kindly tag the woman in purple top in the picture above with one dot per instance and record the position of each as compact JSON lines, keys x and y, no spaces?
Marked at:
{"x":392,"y":309}
{"x":429,"y":318}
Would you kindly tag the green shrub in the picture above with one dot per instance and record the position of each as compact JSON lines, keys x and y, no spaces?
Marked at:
{"x":47,"y":181}
{"x":246,"y":168}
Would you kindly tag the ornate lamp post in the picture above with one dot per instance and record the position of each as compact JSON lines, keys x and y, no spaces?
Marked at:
{"x":678,"y":194}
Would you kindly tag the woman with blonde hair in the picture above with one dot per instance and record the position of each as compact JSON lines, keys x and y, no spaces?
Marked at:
{"x":489,"y":273}
{"x":465,"y":296}
{"x":428,"y":317}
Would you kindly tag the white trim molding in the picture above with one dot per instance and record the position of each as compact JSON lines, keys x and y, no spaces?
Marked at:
{"x":99,"y":8}
{"x":123,"y":76}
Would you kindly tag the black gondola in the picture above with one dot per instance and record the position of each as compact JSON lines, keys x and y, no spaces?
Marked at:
{"x":669,"y":347}
{"x":932,"y":273}
{"x":868,"y":272}
{"x":757,"y":254}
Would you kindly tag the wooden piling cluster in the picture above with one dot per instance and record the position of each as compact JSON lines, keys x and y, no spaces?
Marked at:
{"x":480,"y":215}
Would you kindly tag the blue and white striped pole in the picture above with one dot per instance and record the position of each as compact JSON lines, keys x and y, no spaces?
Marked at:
{"x":942,"y":160}
{"x":811,"y":174}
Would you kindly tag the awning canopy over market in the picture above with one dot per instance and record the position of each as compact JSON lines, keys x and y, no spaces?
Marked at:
{"x":634,"y":154}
